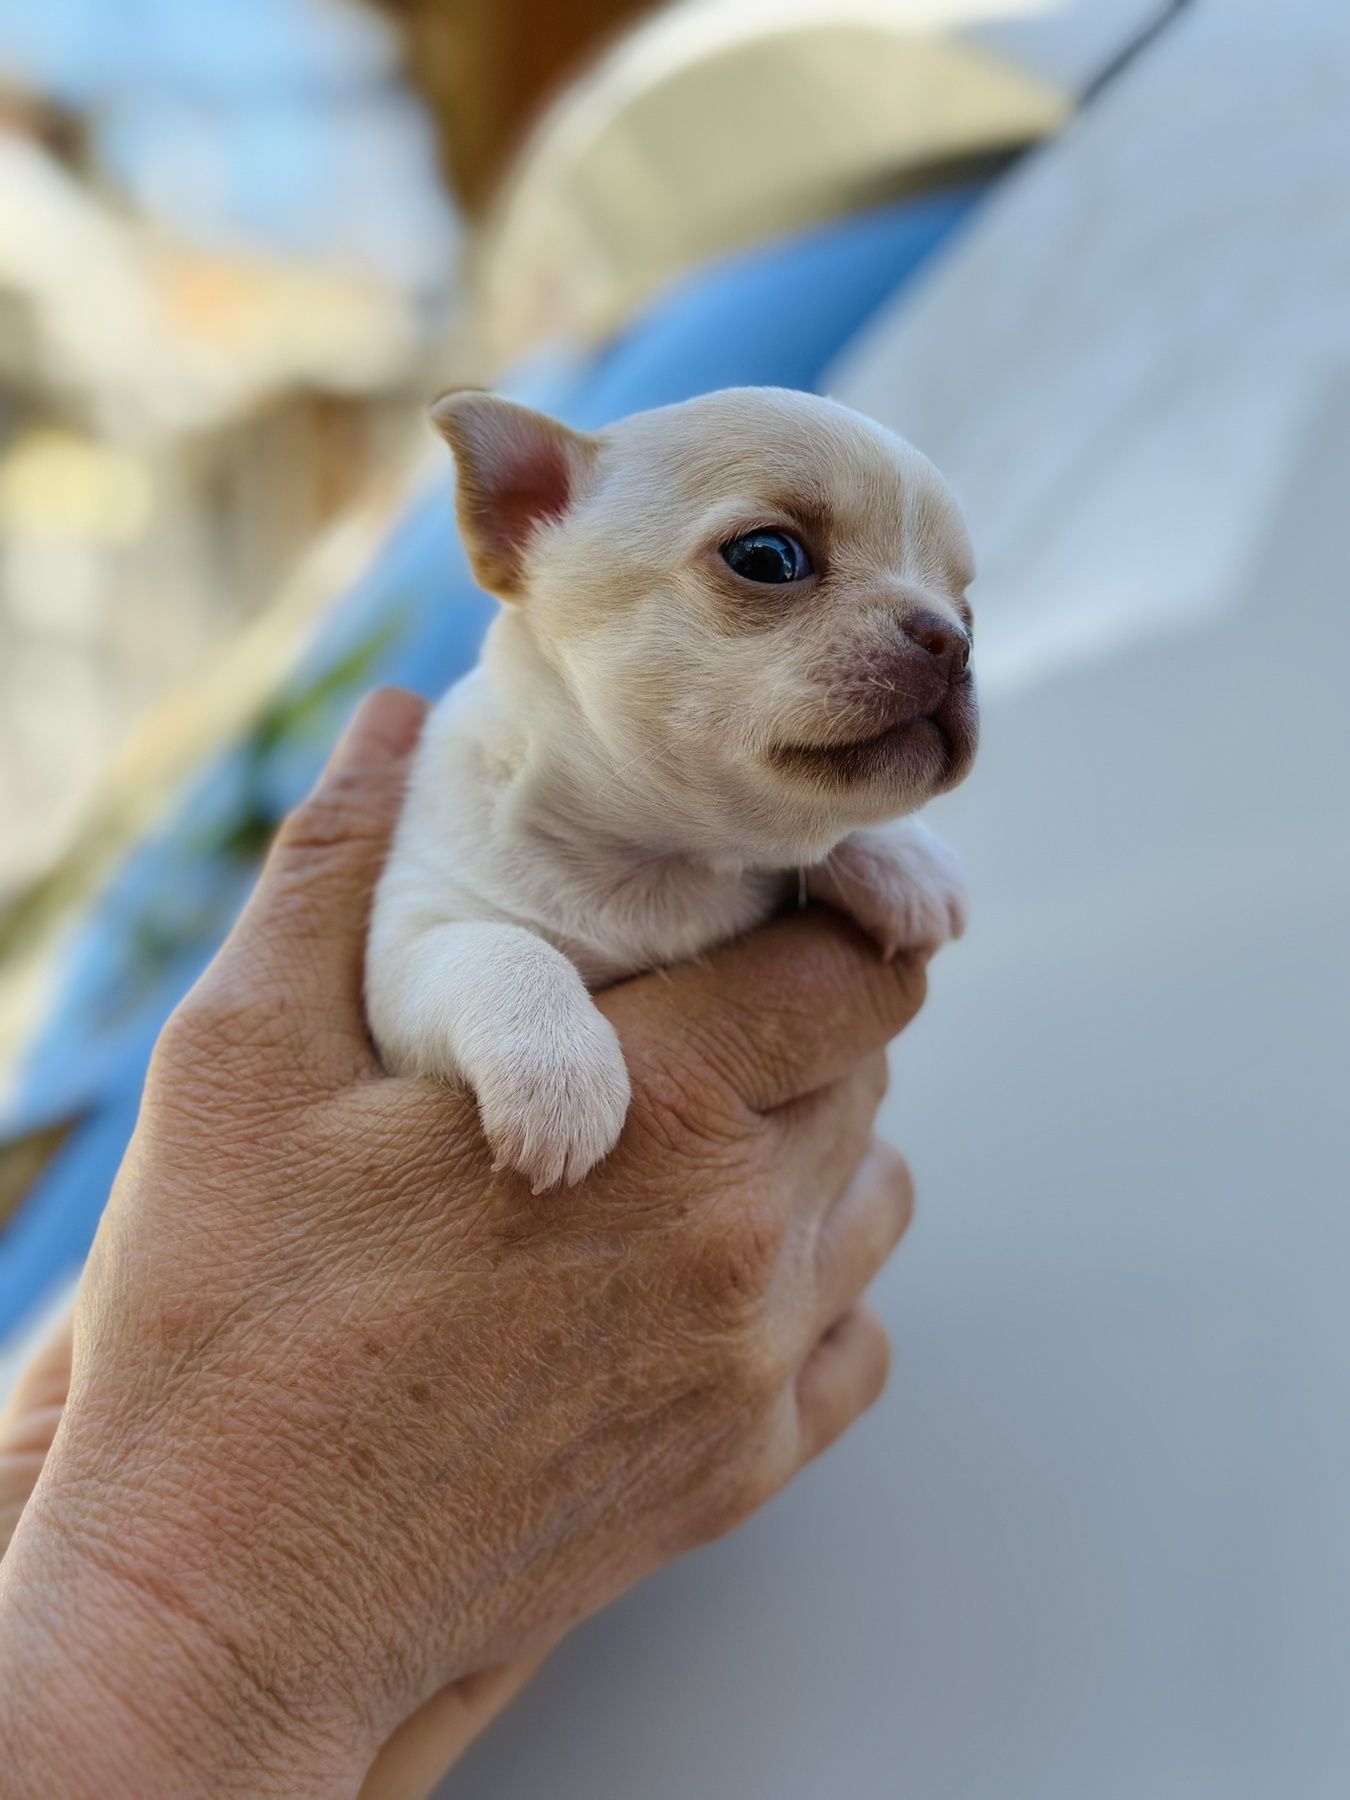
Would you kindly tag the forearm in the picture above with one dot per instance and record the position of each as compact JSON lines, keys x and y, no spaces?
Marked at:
{"x":107,"y":1689}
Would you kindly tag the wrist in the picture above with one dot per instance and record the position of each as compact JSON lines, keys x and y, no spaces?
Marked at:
{"x":109,"y":1687}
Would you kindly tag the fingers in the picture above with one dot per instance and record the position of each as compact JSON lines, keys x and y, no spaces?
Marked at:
{"x":824,"y":1138}
{"x":305,"y":925}
{"x":787,"y":1010}
{"x":841,"y":1378}
{"x":846,"y":1370}
{"x":862,"y":1228}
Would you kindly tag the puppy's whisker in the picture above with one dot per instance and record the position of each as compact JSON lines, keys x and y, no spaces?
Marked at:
{"x":894,"y":687}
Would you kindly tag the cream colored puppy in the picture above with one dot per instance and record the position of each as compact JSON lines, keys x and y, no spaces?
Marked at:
{"x":735,"y":651}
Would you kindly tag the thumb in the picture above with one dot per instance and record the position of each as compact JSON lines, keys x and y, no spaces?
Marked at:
{"x":305,"y":925}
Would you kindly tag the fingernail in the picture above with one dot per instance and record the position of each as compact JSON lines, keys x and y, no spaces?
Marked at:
{"x":384,"y":727}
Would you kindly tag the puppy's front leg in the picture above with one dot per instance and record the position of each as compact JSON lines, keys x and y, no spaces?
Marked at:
{"x":507,"y":1013}
{"x":900,"y":882}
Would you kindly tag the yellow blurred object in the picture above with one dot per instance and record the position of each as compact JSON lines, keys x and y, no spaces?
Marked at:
{"x":716,"y":126}
{"x":56,"y":485}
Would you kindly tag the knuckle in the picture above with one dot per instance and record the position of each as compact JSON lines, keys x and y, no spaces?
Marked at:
{"x":684,"y":1106}
{"x":902,"y":992}
{"x":878,"y":1077}
{"x":759,"y":1367}
{"x":734,"y":1256}
{"x":741,"y":1035}
{"x":751,"y":1237}
{"x":872,"y":1359}
{"x":883,"y":1362}
{"x":193,"y":1035}
{"x":897,"y":1182}
{"x":876,"y":1350}
{"x":185,"y":1034}
{"x":887,"y":992}
{"x":335,"y":813}
{"x":222,"y":1015}
{"x":743,"y":1490}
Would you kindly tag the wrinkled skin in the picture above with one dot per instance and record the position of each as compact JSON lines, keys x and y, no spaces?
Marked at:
{"x":357,"y":1428}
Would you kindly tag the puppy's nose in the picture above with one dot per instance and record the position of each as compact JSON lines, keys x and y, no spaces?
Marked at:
{"x":946,"y":643}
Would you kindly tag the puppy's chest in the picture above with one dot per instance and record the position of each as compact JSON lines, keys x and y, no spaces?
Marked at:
{"x":653,"y":915}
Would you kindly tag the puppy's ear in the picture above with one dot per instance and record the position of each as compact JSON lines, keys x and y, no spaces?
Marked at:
{"x":515,"y":470}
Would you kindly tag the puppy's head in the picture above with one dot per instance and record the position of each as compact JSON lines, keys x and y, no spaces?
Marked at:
{"x":756,"y":599}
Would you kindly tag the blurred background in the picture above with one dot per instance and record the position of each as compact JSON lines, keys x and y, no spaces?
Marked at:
{"x":1093,"y":256}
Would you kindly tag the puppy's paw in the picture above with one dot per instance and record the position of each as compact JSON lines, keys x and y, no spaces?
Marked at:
{"x":903,"y":886}
{"x":553,"y":1101}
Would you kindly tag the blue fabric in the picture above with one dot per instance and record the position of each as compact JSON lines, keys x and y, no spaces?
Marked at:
{"x":773,"y":316}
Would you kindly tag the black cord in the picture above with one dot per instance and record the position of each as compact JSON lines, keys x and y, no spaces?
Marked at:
{"x":1127,"y":54}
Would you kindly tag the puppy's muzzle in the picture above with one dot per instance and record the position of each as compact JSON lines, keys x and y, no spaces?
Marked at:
{"x":910,"y":676}
{"x":907,"y":711}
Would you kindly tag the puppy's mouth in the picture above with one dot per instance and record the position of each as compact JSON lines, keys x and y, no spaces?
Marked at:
{"x":932,"y":751}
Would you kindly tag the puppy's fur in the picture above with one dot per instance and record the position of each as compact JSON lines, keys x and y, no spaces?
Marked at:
{"x":656,"y":752}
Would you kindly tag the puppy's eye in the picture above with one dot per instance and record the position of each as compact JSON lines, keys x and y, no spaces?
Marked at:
{"x":771,"y":556}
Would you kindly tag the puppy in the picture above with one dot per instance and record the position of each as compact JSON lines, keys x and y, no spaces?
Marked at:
{"x":734,"y":656}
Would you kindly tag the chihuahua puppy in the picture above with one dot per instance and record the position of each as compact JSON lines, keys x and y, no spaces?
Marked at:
{"x":733,"y":660}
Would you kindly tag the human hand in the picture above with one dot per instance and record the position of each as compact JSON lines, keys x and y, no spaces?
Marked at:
{"x":419,"y":1751}
{"x":352,"y":1419}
